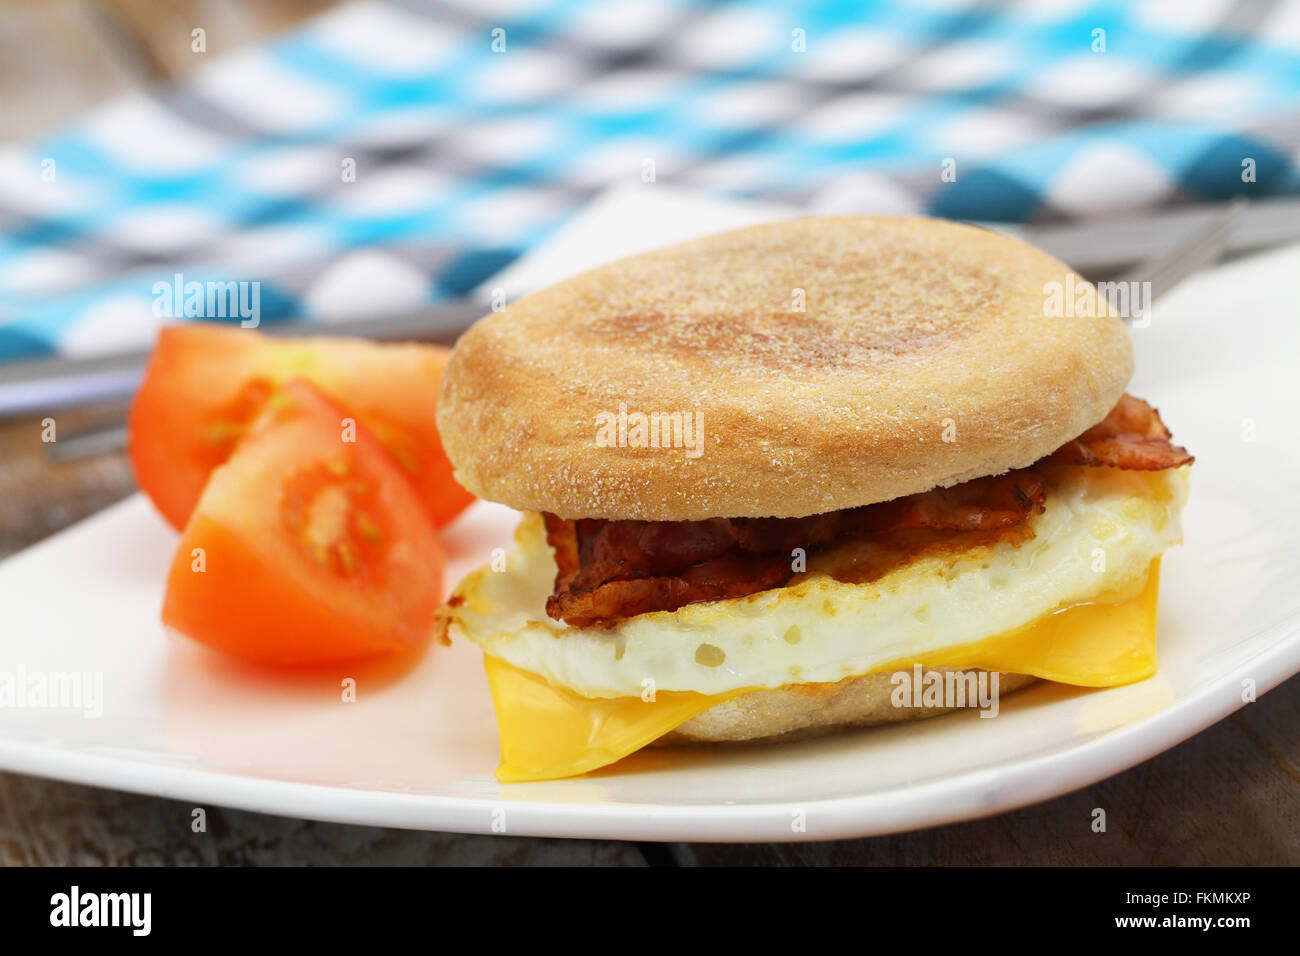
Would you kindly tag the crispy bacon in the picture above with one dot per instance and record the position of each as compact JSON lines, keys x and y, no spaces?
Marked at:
{"x":614,"y":550}
{"x":982,"y":504}
{"x":608,"y":570}
{"x":616,"y":569}
{"x":731,"y":575}
{"x":1132,"y":437}
{"x":563,"y":538}
{"x":782,"y":534}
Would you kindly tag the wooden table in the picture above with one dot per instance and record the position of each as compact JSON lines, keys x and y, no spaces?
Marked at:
{"x":1229,"y":796}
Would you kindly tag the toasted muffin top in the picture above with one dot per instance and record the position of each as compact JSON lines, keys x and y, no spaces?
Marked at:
{"x":782,"y":370}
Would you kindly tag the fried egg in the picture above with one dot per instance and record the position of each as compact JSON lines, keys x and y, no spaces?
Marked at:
{"x":857,"y":607}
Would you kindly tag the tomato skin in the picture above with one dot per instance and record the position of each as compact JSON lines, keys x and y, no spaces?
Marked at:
{"x":269,"y":592}
{"x":190,"y":375}
{"x":207,"y":382}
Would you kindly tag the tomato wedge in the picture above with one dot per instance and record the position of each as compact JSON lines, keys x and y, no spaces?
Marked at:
{"x":207,"y":382}
{"x":306,"y":548}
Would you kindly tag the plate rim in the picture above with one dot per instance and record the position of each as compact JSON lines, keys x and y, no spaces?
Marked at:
{"x":970,"y":795}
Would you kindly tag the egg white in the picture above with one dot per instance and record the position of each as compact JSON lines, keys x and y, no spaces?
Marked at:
{"x":1100,"y":532}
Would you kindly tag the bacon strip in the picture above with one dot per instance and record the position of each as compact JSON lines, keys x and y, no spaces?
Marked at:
{"x":615,"y":569}
{"x":1131,"y":437}
{"x":608,"y":570}
{"x":982,"y":504}
{"x":731,"y":575}
{"x":563,"y":537}
{"x":619,"y":550}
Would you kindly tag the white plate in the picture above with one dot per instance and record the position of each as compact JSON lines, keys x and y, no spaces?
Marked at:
{"x":418,"y":749}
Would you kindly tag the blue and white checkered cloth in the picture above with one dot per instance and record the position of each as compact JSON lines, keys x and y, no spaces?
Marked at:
{"x":475,"y":128}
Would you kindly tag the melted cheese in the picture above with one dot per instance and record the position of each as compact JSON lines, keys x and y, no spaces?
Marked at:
{"x":549,"y":732}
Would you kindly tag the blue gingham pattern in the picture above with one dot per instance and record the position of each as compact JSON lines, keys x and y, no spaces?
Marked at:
{"x":466,"y":156}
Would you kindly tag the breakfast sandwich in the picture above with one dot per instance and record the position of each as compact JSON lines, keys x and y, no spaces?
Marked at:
{"x":793,"y":478}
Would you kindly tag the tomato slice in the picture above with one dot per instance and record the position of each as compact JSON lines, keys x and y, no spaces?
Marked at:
{"x":206,"y":383}
{"x":306,"y":548}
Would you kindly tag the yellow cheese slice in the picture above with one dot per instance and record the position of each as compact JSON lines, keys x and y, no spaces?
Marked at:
{"x":548,"y":732}
{"x":1104,"y":642}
